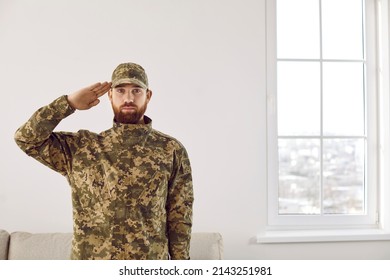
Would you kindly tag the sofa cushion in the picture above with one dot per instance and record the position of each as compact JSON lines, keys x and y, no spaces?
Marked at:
{"x":57,"y":246}
{"x":4,"y":241}
{"x":40,"y":246}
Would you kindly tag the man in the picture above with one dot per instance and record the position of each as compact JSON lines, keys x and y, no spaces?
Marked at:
{"x":131,"y":185}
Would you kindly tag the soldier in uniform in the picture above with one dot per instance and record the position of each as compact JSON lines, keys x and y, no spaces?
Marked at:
{"x":131,"y":185}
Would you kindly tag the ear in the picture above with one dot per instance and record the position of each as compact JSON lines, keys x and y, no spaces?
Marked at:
{"x":110,"y":94}
{"x":149,"y":94}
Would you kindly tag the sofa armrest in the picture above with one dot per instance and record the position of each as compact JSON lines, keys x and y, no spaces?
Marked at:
{"x":206,"y":246}
{"x":4,"y":243}
{"x":40,"y":246}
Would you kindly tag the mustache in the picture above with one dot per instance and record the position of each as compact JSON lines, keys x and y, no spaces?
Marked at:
{"x":127,"y":104}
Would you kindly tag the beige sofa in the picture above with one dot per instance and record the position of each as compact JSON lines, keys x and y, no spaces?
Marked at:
{"x":57,"y":246}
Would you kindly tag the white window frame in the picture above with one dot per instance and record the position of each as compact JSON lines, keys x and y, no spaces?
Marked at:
{"x":300,"y":228}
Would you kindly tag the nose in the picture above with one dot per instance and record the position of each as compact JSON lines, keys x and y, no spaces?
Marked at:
{"x":129,"y":97}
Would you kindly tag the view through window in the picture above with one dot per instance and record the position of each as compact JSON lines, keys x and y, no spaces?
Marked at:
{"x":321,"y":107}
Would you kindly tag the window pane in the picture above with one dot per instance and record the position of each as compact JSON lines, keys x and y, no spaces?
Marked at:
{"x":298,"y":29}
{"x":343,"y":98}
{"x":342,"y":27}
{"x":343,"y":176}
{"x":299,"y":176}
{"x":298,"y":98}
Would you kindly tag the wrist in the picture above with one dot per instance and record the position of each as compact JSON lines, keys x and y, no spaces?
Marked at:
{"x":70,"y":101}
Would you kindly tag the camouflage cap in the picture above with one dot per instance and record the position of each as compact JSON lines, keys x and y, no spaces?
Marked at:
{"x":129,"y":73}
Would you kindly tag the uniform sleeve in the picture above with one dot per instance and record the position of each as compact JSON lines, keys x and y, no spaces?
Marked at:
{"x":179,"y":208}
{"x":37,"y":139}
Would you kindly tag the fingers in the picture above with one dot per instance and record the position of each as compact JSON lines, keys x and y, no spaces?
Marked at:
{"x":99,"y":89}
{"x":88,"y":97}
{"x":94,"y":103}
{"x":99,"y":86}
{"x":94,"y":86}
{"x":105,"y":87}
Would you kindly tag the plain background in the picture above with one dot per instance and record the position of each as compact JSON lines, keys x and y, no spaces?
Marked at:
{"x":206,"y":65}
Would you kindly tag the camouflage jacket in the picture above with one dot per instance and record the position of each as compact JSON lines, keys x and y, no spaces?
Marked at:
{"x":131,"y":185}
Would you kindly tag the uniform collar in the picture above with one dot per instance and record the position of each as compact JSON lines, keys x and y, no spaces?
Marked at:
{"x":132,"y":130}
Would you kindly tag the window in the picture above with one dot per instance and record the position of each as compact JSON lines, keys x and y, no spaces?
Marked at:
{"x":324,"y":113}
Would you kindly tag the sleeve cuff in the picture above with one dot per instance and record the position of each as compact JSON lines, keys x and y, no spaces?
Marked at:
{"x":62,"y":107}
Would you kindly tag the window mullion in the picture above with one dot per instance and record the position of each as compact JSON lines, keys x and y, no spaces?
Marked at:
{"x":321,"y":113}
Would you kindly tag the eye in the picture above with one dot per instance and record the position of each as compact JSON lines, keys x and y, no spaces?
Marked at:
{"x":120,"y":90}
{"x":137,"y":91}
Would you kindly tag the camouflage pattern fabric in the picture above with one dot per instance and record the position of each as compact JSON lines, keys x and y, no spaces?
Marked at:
{"x":131,"y":185}
{"x":128,"y":73}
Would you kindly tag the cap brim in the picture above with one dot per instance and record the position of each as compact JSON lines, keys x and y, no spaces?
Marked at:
{"x":128,"y":81}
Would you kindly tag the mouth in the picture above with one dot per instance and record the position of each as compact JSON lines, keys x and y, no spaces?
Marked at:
{"x":128,"y":108}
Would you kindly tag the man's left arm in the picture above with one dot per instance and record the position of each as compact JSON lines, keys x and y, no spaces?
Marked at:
{"x":179,"y":207}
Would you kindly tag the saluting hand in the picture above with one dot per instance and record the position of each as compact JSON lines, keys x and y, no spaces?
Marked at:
{"x":88,"y":97}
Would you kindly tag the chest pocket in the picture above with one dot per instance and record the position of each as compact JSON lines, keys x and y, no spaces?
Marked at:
{"x":152,"y":199}
{"x":93,"y":191}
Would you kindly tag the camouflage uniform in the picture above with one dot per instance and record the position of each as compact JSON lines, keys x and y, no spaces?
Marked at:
{"x":131,"y":185}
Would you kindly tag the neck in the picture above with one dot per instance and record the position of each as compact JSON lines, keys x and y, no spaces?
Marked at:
{"x":145,"y":120}
{"x":141,"y":120}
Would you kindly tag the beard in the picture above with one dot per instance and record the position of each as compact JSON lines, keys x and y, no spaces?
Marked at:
{"x":132,"y":117}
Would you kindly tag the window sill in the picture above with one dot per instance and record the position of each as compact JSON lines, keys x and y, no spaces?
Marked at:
{"x":327,"y":235}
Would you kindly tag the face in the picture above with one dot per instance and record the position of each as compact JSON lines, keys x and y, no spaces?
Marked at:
{"x":129,"y":103}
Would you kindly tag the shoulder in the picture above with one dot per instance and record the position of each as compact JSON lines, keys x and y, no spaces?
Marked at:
{"x":177,"y":150}
{"x":171,"y":144}
{"x":82,"y":133}
{"x":167,"y":140}
{"x":78,"y":138}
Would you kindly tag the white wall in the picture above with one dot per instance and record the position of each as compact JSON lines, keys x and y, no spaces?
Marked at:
{"x":206,"y":65}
